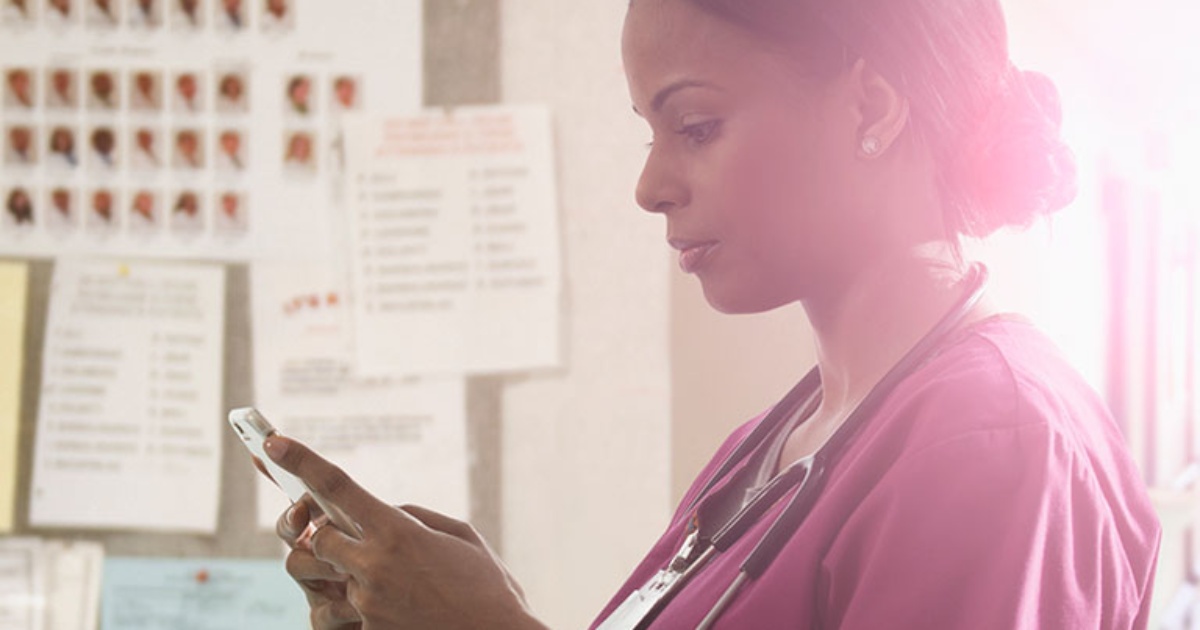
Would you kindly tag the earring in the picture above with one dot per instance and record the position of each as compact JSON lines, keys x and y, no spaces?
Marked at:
{"x":871,"y":145}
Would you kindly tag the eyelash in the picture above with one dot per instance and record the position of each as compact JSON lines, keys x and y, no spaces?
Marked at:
{"x":698,"y":134}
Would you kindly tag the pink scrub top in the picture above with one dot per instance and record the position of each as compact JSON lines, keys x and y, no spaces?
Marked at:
{"x":992,"y":490}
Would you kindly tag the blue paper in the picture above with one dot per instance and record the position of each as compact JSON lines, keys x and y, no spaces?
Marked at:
{"x":200,"y":594}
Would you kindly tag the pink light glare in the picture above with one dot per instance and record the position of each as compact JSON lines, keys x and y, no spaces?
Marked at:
{"x":1129,"y":76}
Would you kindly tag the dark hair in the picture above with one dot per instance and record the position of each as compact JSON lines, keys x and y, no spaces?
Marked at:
{"x":993,"y":130}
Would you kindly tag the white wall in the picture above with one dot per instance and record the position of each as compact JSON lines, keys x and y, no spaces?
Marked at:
{"x":586,"y":453}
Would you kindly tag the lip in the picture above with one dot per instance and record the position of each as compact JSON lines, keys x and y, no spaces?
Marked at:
{"x":692,"y":254}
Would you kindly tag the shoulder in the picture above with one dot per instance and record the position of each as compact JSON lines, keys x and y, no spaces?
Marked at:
{"x":1000,"y":407}
{"x":1028,"y":475}
{"x":1002,"y":374}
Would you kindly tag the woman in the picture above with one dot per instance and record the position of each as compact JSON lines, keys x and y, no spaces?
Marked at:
{"x":956,"y":472}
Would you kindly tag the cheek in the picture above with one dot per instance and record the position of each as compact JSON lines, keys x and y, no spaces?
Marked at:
{"x":784,"y":207}
{"x":781,"y":178}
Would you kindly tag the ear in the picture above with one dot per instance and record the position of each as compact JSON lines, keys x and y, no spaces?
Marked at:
{"x":883,"y":111}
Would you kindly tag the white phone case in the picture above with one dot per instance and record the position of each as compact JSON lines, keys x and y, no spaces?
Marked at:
{"x":253,"y":429}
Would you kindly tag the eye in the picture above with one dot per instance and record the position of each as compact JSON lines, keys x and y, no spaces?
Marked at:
{"x":702,"y":132}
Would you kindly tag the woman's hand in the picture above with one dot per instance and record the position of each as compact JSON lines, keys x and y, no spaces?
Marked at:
{"x":407,"y":567}
{"x":324,"y":587}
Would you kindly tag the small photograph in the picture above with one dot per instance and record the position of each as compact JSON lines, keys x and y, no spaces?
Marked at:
{"x":276,"y":16}
{"x":188,"y":98}
{"x":103,"y":156}
{"x":188,"y":14}
{"x":101,"y":214}
{"x":61,"y":204}
{"x":18,"y":207}
{"x":17,"y":12}
{"x":299,"y":94}
{"x":144,"y":154}
{"x":61,"y":153}
{"x":188,"y":154}
{"x":187,"y":214}
{"x":102,"y":91}
{"x":61,"y":90}
{"x":102,"y":13}
{"x":230,"y":15}
{"x":299,"y":155}
{"x":231,"y":151}
{"x":19,"y":88}
{"x":145,"y":14}
{"x":345,"y":92}
{"x":59,"y":13}
{"x":20,"y":147}
{"x":232,"y":96}
{"x":145,"y":91}
{"x":144,"y":212}
{"x":231,"y":213}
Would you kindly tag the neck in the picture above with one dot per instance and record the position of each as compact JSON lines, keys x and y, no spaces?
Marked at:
{"x":864,"y":328}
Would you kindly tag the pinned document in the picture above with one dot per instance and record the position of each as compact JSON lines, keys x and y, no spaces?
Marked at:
{"x":200,"y":594}
{"x":403,"y":439}
{"x":454,"y":241}
{"x":129,"y":420}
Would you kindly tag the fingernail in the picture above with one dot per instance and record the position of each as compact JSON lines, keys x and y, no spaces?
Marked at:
{"x":275,"y":448}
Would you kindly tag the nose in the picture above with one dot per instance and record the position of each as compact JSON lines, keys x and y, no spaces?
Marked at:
{"x":661,"y":187}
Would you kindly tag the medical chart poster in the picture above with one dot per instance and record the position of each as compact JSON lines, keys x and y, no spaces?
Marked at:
{"x":129,"y":417}
{"x":207,"y":129}
{"x":454,"y":241}
{"x":200,"y":594}
{"x":403,"y":439}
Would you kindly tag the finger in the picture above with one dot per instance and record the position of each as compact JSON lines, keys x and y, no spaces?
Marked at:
{"x":337,"y":613}
{"x":303,"y":566}
{"x":333,"y":546}
{"x":291,"y":524}
{"x":321,"y":592}
{"x":319,"y":581}
{"x":442,"y":523}
{"x":325,"y":479}
{"x":355,"y":597}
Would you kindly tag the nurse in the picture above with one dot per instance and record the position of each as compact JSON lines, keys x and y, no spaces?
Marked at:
{"x":832,"y":153}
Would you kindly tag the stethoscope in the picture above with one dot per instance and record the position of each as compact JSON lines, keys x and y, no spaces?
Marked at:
{"x":808,"y":477}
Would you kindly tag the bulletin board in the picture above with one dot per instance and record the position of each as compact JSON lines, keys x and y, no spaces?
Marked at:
{"x":460,"y":62}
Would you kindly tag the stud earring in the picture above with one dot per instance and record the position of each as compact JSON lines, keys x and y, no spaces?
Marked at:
{"x":871,"y":145}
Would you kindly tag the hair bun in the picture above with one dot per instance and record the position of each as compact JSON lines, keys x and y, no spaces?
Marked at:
{"x":1020,"y":168}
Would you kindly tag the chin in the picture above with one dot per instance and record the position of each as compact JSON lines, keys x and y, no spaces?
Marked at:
{"x":740,"y":299}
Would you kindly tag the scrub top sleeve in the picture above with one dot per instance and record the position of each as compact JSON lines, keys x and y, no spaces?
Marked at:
{"x":993,"y":529}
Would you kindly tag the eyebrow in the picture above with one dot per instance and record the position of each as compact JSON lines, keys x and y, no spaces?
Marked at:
{"x":661,"y":97}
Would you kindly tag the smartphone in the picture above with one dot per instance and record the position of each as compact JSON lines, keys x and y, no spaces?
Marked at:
{"x":253,"y":429}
